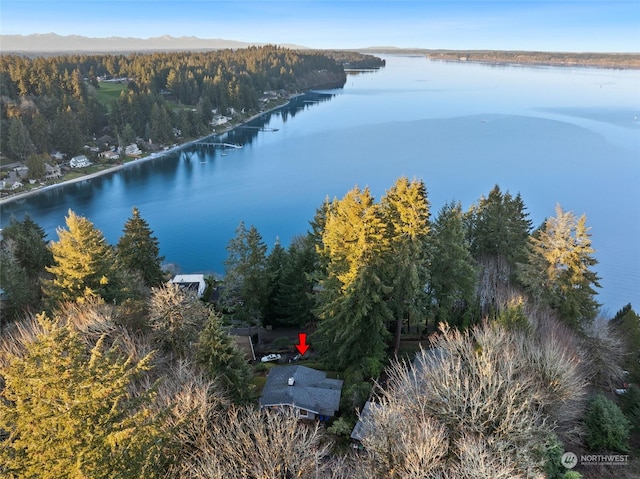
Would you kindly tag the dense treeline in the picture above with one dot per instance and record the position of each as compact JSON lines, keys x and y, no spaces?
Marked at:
{"x":501,"y":391}
{"x":51,"y":103}
{"x":601,"y":60}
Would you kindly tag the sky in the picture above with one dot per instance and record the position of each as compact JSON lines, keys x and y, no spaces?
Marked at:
{"x":547,"y":25}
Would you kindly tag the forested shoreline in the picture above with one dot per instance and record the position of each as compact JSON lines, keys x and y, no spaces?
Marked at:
{"x":54,"y":108}
{"x":518,"y":353}
{"x":622,"y":60}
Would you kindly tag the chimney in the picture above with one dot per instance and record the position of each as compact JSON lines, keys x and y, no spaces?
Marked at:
{"x":291,"y":381}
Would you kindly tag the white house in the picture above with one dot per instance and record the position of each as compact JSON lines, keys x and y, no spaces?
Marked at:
{"x":219,"y":120}
{"x":191,"y":282}
{"x":80,"y":161}
{"x":132,"y":150}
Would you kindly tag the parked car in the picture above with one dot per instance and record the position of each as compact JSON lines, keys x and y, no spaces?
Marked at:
{"x":270,"y":357}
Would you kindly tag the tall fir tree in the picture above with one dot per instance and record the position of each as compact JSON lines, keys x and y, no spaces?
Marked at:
{"x":405,"y":209}
{"x":245,"y":284}
{"x":276,"y":265}
{"x":222,"y":361}
{"x":559,"y":268}
{"x":498,"y":228}
{"x":294,"y":304}
{"x":138,"y":250}
{"x":24,"y":255}
{"x":83,"y":264}
{"x":453,"y":271}
{"x":19,"y":142}
{"x":29,"y":244}
{"x":353,"y":309}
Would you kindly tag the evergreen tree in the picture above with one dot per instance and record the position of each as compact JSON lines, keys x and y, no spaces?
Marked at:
{"x":558,"y":270}
{"x":221,"y":359}
{"x":352,"y":332}
{"x":498,"y":232}
{"x":29,"y":244}
{"x":161,"y":130}
{"x":40,"y":134}
{"x":453,"y":272}
{"x":294,"y":304}
{"x":138,"y":250}
{"x":18,"y":292}
{"x":66,"y":133}
{"x":276,"y":264}
{"x":405,"y":209}
{"x":245,"y":283}
{"x":353,"y":309}
{"x":19,"y":142}
{"x":68,"y":411}
{"x":24,"y":255}
{"x":83,"y":263}
{"x":499,"y":226}
{"x":627,"y":323}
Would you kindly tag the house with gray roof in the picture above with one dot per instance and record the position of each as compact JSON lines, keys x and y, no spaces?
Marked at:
{"x":308,"y":391}
{"x":360,"y":429}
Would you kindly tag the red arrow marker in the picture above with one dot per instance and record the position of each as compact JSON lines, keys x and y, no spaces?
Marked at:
{"x":303,"y":346}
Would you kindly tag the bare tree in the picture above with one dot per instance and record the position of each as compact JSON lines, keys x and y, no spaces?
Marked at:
{"x":478,"y":404}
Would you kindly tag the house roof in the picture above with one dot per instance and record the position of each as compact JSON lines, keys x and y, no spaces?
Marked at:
{"x":191,"y":282}
{"x":311,"y":390}
{"x":360,"y":428}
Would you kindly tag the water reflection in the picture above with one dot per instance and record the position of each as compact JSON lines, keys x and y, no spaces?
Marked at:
{"x":552,"y":134}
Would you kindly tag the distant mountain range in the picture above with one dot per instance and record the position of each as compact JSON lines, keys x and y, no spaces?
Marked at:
{"x":52,"y":42}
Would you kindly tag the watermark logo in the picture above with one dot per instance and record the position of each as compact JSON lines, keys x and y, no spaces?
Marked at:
{"x":604,"y":459}
{"x":569,"y":460}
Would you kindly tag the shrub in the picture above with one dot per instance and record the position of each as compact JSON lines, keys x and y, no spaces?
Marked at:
{"x":607,"y":428}
{"x":572,"y":475}
{"x":260,"y":368}
{"x":552,"y":453}
{"x":630,"y":406}
{"x":341,"y":427}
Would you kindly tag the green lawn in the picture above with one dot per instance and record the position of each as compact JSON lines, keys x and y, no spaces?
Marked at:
{"x":109,"y":92}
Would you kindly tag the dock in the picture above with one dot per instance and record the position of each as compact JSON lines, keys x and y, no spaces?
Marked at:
{"x":206,"y":144}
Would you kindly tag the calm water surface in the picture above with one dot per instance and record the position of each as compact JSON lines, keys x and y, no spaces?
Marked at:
{"x":556,"y":135}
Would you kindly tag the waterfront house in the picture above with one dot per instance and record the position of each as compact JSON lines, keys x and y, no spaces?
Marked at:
{"x":307,"y":391}
{"x":109,"y":155}
{"x":53,"y":172}
{"x":193,"y":283}
{"x":132,"y":150}
{"x":80,"y":161}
